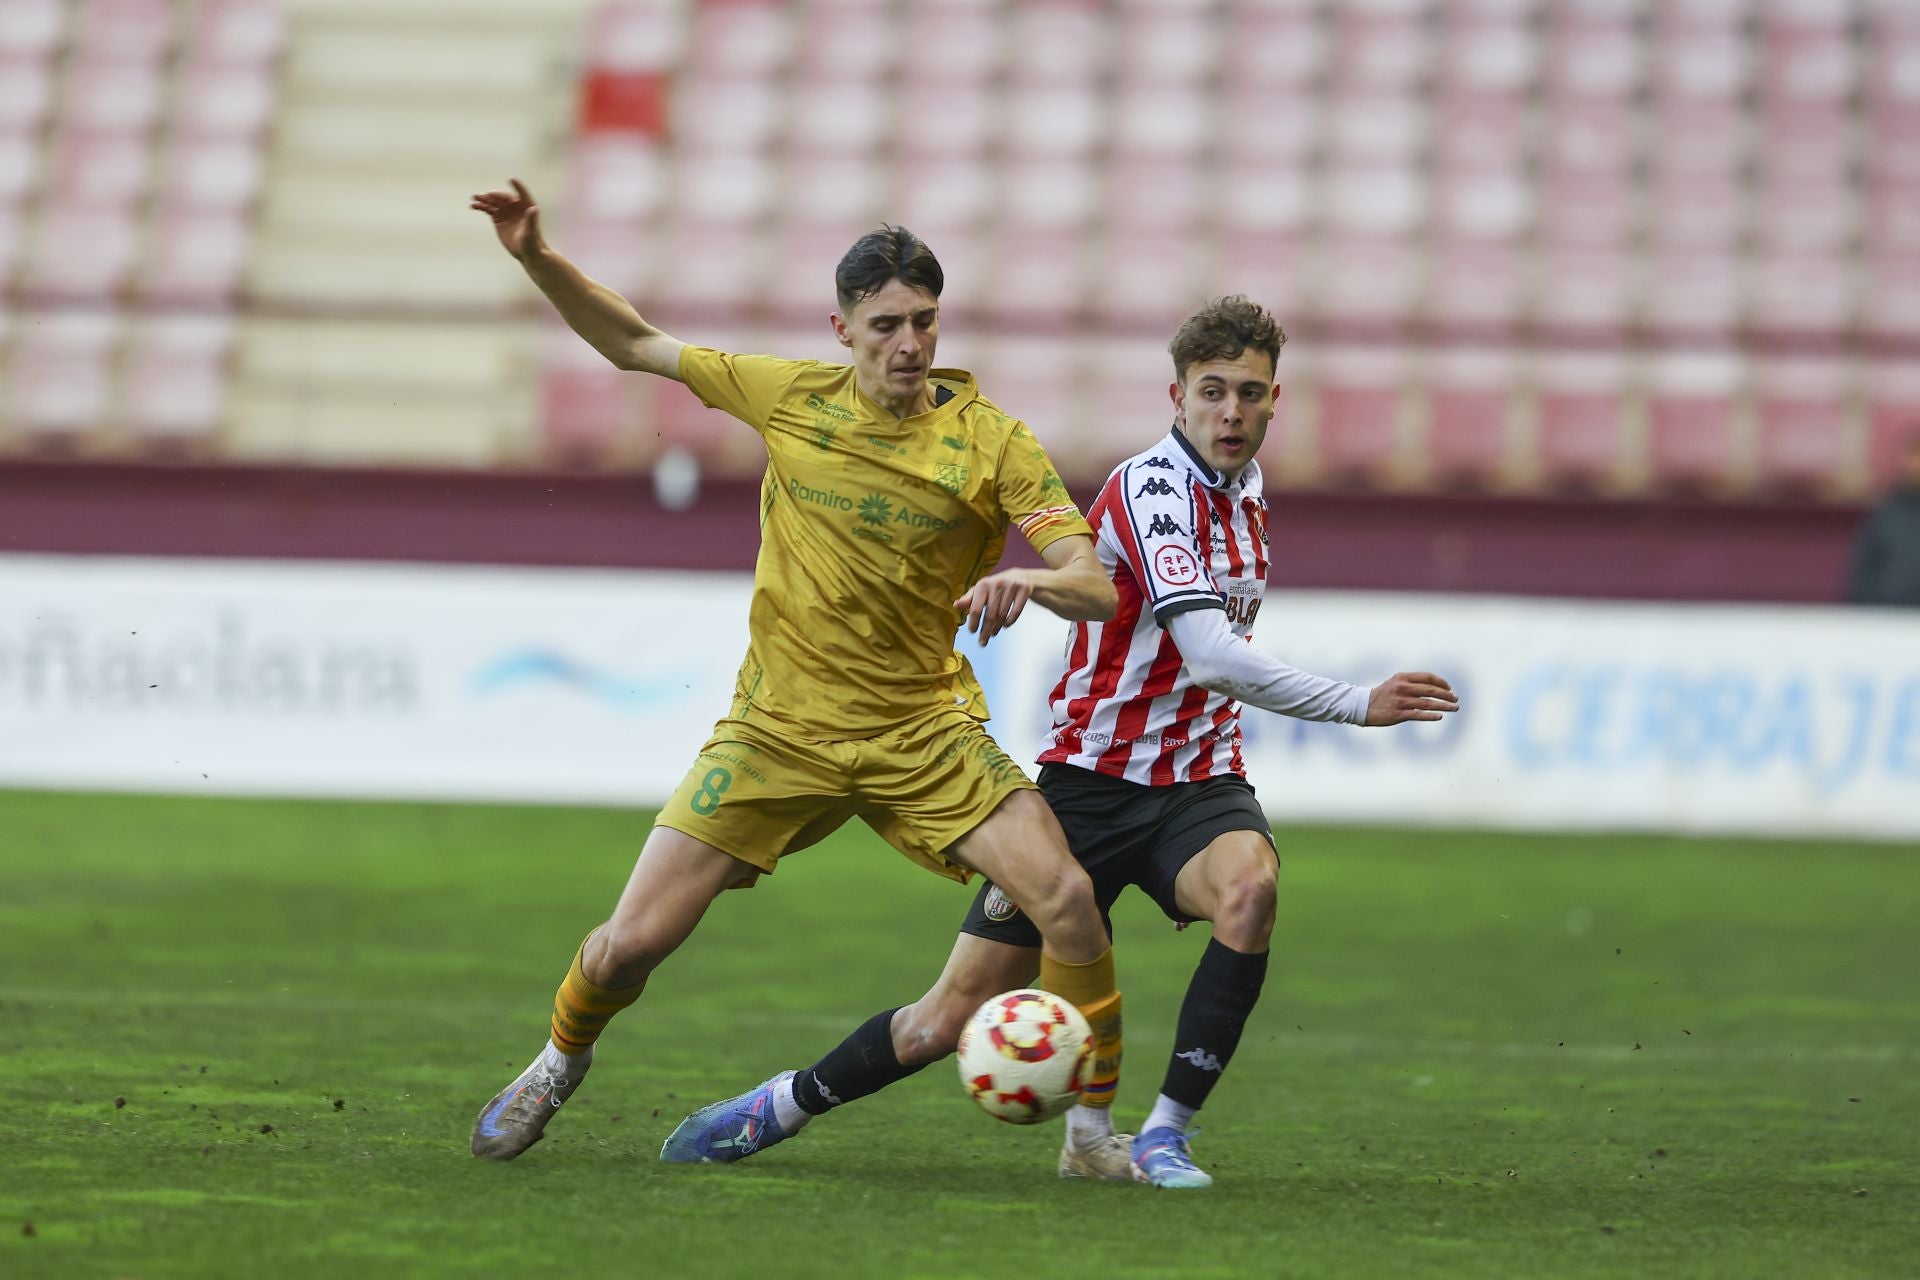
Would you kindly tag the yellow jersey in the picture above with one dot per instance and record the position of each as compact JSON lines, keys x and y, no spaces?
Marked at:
{"x":871,"y":526}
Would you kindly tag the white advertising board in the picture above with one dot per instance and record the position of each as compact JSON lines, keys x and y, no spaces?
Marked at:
{"x":597,"y":686}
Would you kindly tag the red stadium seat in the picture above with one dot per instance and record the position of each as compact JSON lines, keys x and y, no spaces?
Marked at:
{"x":19,"y":166}
{"x":32,"y":28}
{"x":635,"y":36}
{"x":1366,"y":278}
{"x":1802,"y":217}
{"x":968,"y":36}
{"x":801,"y":263}
{"x":1163,"y":194}
{"x":102,"y":96}
{"x":78,"y":252}
{"x":1475,"y":283}
{"x":1589,"y":137}
{"x":236,"y":34}
{"x":1891,"y":307}
{"x":1481,"y":131}
{"x":721,"y":189}
{"x":1581,"y":417}
{"x":1039,"y":273}
{"x":586,"y":405}
{"x":1804,"y":432}
{"x":744,"y":39}
{"x":26,"y":92}
{"x":1066,"y":43}
{"x":1893,"y":219}
{"x":1048,"y":195}
{"x":1166,"y":45}
{"x":1583,"y":287}
{"x":1284,"y":45}
{"x":1469,"y":416}
{"x":1158,"y":120}
{"x":1381,"y":199}
{"x":195,"y":257}
{"x":174,"y":382}
{"x":1808,"y":61}
{"x":1358,"y":395}
{"x":1380,"y":47}
{"x":706,"y":266}
{"x":1692,"y":290}
{"x":215,"y":175}
{"x":1375,"y":128}
{"x":1587,"y":209}
{"x":849,"y":38}
{"x":1275,"y":199}
{"x":937,"y":194}
{"x":967,"y":114}
{"x":99,"y":171}
{"x":615,"y":178}
{"x":124,"y":29}
{"x":1152,"y":278}
{"x":1269,"y":267}
{"x":224,"y":101}
{"x":1487,"y":204}
{"x":1289,"y":125}
{"x":1593,"y":55}
{"x":725,"y":112}
{"x":1893,"y":416}
{"x":1697,"y":57}
{"x":1690,"y":420}
{"x":1803,"y":291}
{"x":1049,"y":121}
{"x":834,"y":189}
{"x":1042,"y":380}
{"x":1489,"y":53}
{"x":1806,"y":143}
{"x":1701,"y":212}
{"x":60,"y":378}
{"x":843,"y":114}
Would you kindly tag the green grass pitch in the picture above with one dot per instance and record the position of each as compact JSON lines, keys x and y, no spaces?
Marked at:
{"x":250,"y":1038}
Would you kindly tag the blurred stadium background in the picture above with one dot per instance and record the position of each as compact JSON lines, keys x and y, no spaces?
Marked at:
{"x":1639,"y":278}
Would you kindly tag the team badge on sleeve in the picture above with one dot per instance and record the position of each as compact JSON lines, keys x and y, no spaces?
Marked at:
{"x":1176,"y":566}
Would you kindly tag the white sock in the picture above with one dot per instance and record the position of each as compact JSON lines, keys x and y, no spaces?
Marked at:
{"x":1087,"y":1125}
{"x":1168,"y":1114}
{"x":787,"y":1112}
{"x":564,"y":1063}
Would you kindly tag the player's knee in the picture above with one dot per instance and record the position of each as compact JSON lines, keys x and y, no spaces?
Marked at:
{"x":928,"y":1032}
{"x":1247,"y":908}
{"x":1065,"y":898}
{"x":629,"y":952}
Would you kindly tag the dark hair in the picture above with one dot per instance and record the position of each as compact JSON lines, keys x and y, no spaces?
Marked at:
{"x":891,"y":253}
{"x":1223,"y":329}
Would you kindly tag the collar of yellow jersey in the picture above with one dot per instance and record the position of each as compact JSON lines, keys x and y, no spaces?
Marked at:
{"x":964,"y":389}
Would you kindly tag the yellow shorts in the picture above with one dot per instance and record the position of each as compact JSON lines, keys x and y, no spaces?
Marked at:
{"x":759,"y":795}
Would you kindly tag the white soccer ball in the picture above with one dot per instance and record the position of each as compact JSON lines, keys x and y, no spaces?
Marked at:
{"x":1024,"y":1056}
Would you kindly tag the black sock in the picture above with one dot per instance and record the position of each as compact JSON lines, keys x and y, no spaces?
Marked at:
{"x":861,"y":1064}
{"x":1225,"y":987}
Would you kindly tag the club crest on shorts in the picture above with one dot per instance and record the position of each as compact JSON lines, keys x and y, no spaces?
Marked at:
{"x":999,"y":906}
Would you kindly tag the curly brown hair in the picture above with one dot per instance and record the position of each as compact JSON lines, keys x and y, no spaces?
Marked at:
{"x":1223,"y":329}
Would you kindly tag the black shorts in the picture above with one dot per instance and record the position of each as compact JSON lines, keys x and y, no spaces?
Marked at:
{"x":1125,"y":833}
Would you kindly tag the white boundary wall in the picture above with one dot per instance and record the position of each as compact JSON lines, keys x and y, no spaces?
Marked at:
{"x":439,"y":682}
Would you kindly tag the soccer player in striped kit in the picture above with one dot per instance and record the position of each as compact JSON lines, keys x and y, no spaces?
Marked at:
{"x":1142,"y":765}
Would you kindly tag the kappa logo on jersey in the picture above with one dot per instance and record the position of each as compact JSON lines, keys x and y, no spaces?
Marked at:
{"x":1165,"y":464}
{"x":1155,"y":487}
{"x":999,"y":906}
{"x":1165,"y":527}
{"x":1176,"y":566}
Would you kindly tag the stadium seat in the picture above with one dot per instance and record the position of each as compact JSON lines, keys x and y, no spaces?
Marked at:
{"x":849,"y":38}
{"x":1796,"y":216}
{"x":1804,"y":424}
{"x":26,"y":93}
{"x":967,"y":34}
{"x":1691,"y":290}
{"x":1290,"y":126}
{"x":1598,"y":210}
{"x":848,"y":115}
{"x":99,"y":170}
{"x":748,"y":39}
{"x":801,"y":261}
{"x":1588,"y":137}
{"x":1583,"y":288}
{"x":1806,"y":143}
{"x":1275,"y":46}
{"x":19,"y":166}
{"x":710,"y":266}
{"x":1129,"y":405}
{"x":1155,"y":193}
{"x":725,"y":189}
{"x":1374,"y":128}
{"x":120,"y":97}
{"x":1469,"y":398}
{"x":1696,"y":211}
{"x":1042,"y":379}
{"x":725,"y":112}
{"x":841,"y":190}
{"x":32,"y":28}
{"x":1484,"y":204}
{"x":1803,"y":292}
{"x":636,"y":36}
{"x":1891,"y":307}
{"x":1047,"y":121}
{"x":1149,"y":278}
{"x":1052,"y":194}
{"x":1274,"y":199}
{"x":1366,"y":278}
{"x":1063,"y":43}
{"x":623,"y":254}
{"x":1581,"y":418}
{"x":123,"y":29}
{"x":1893,"y":416}
{"x":1493,"y":53}
{"x":934,"y":194}
{"x":195,"y":257}
{"x":1474,"y":131}
{"x":1892,"y":218}
{"x":1385,"y":199}
{"x":1593,"y":55}
{"x":968,"y":116}
{"x":1474,"y":282}
{"x":12,"y":233}
{"x":174,"y":380}
{"x":1270,"y":267}
{"x":1699,"y":57}
{"x":236,"y":34}
{"x":615,"y":177}
{"x":1039,"y":273}
{"x":216,"y":175}
{"x":1174,"y":45}
{"x":60,"y":376}
{"x":1381,"y":45}
{"x":1691,"y":444}
{"x":585,"y":404}
{"x":81,"y":253}
{"x":1358,"y":394}
{"x":1805,"y":59}
{"x":1159,"y":121}
{"x":224,"y":101}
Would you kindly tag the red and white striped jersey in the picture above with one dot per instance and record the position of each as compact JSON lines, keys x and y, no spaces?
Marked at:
{"x":1173,"y":534}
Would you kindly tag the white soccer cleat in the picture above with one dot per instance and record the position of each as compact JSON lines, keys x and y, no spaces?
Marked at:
{"x":1108,"y":1159}
{"x":517,"y":1117}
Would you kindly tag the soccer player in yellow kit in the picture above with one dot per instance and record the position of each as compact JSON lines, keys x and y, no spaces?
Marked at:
{"x":888,"y":489}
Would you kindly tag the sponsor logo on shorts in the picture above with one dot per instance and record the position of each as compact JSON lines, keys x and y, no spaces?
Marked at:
{"x":999,"y":905}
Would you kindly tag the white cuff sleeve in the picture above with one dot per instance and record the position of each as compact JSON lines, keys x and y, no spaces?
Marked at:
{"x":1226,"y":664}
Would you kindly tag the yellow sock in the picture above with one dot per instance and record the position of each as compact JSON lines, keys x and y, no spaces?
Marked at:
{"x":581,"y":1010}
{"x":1090,"y":988}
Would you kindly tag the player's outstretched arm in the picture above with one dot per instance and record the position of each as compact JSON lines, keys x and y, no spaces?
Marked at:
{"x":606,"y":320}
{"x":1072,"y":585}
{"x":1410,"y":695}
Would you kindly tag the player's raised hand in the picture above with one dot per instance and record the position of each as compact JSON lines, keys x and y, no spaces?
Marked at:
{"x":1411,"y":695}
{"x":516,"y":218}
{"x":995,"y":602}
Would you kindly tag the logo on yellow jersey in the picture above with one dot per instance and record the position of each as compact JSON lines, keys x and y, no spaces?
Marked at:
{"x":951,"y":476}
{"x":875,"y":509}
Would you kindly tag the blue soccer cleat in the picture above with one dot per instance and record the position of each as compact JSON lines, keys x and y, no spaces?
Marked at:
{"x":1160,"y":1158}
{"x":725,"y":1132}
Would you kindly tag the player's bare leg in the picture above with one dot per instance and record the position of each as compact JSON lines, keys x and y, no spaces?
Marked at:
{"x":674,"y":880}
{"x":1231,"y":883}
